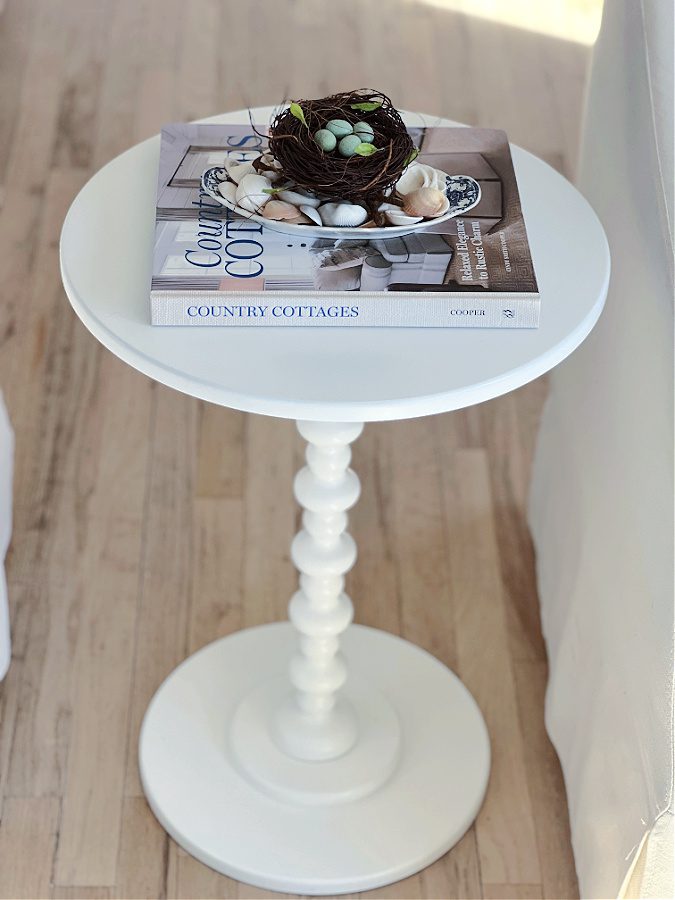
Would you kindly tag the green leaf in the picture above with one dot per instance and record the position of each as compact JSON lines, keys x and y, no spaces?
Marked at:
{"x":412,"y":156}
{"x":296,"y":110}
{"x":364,"y":149}
{"x":367,"y":105}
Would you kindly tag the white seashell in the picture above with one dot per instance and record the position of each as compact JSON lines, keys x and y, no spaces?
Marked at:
{"x":269,"y":161}
{"x":415,"y":176}
{"x":427,"y":202}
{"x":437,"y":179}
{"x":298,"y":198}
{"x":419,"y":175}
{"x":251,"y":194}
{"x":312,"y":213}
{"x":237,"y":170}
{"x":228,"y":190}
{"x":395,"y":216}
{"x":279,"y":209}
{"x":300,"y":220}
{"x":269,"y":167}
{"x":343,"y":215}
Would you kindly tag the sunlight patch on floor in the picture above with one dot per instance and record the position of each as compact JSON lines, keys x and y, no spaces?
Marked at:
{"x":571,"y":20}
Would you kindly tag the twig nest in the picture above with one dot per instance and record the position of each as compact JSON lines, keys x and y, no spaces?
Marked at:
{"x":279,"y":210}
{"x":253,"y":192}
{"x":427,"y":202}
{"x":361,"y":119}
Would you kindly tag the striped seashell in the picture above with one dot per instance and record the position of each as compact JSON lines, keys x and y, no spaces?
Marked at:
{"x":343,"y":215}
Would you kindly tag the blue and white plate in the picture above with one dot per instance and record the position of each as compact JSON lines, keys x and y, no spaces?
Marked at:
{"x":463,"y":192}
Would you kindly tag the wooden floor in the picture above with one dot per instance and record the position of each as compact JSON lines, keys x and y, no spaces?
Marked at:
{"x":147,"y":523}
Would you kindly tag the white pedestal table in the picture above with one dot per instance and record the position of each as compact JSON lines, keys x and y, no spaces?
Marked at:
{"x":318,"y":756}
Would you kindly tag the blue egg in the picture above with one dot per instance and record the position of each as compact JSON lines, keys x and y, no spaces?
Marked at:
{"x":339,"y":127}
{"x":325,"y":139}
{"x":365,"y":132}
{"x":348,"y":145}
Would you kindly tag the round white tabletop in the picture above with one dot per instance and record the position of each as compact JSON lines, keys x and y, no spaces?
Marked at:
{"x":328,"y":374}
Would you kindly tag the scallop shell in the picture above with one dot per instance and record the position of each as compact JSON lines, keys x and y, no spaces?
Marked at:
{"x":228,"y":190}
{"x":427,"y":202}
{"x":237,"y":170}
{"x":298,"y":198}
{"x":343,"y":215}
{"x":312,"y":213}
{"x":279,"y":209}
{"x":251,"y":194}
{"x":395,"y":215}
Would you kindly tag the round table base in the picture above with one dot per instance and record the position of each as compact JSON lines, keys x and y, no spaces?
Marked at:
{"x":210,"y":804}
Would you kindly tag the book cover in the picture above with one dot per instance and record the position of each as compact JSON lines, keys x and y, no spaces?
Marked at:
{"x":212,"y":267}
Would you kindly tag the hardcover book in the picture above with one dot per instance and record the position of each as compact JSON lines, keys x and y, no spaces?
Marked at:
{"x":212,"y":267}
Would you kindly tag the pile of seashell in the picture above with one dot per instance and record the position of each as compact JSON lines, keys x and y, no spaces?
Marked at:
{"x":255,"y":187}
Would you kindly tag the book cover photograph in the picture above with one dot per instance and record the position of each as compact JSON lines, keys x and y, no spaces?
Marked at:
{"x":213,"y":266}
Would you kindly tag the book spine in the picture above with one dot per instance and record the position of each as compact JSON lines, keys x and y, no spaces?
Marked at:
{"x":204,"y":309}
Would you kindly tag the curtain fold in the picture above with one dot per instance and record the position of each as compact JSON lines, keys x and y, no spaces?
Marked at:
{"x":601,"y":504}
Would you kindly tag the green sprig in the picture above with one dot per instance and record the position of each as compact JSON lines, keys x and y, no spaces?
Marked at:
{"x":296,"y":110}
{"x":412,"y":156}
{"x":364,"y":149}
{"x":367,"y":105}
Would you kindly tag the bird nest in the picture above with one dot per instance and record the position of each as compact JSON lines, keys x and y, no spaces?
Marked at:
{"x":367,"y":180}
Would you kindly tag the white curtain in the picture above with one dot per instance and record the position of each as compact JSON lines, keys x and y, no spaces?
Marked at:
{"x":601,"y":508}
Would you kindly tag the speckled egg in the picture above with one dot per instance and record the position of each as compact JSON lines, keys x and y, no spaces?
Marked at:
{"x":325,"y":139}
{"x":365,"y":132}
{"x":339,"y":127}
{"x":348,"y":145}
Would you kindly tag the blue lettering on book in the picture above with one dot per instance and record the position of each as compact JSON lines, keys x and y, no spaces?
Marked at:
{"x":235,"y":254}
{"x":315,"y":312}
{"x":227,"y":311}
{"x":249,"y":146}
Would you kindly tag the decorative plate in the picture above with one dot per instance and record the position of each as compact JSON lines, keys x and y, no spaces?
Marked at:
{"x":462,"y":191}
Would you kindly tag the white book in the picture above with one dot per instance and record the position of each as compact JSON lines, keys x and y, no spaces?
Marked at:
{"x":213,"y":268}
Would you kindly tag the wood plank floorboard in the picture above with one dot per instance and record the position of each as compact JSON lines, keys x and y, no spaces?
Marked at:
{"x":147,"y":523}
